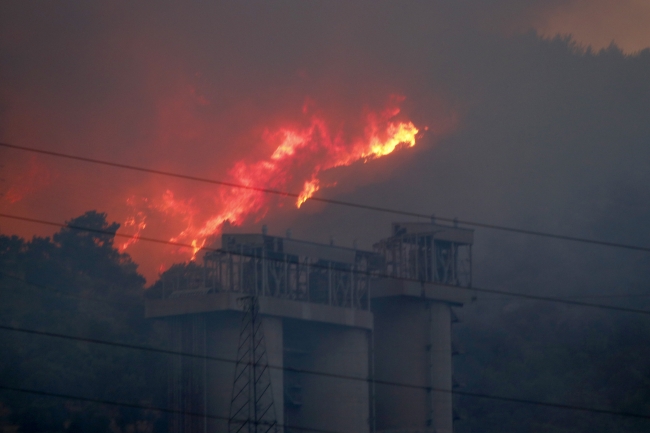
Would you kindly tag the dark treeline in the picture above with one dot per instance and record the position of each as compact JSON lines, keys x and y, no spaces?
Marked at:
{"x":77,"y":283}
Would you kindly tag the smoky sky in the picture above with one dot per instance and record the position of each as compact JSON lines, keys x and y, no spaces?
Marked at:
{"x":540,"y":131}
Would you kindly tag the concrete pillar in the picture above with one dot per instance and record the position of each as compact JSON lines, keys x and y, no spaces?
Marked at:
{"x":187,"y":374}
{"x":328,"y":402}
{"x":441,"y":369}
{"x":401,"y":338}
{"x":412,"y":346}
{"x":222,"y":342}
{"x":342,"y":404}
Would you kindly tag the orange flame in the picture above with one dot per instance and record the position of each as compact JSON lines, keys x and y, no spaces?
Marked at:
{"x":311,"y":186}
{"x":139,"y":222}
{"x":402,"y":133}
{"x":297,"y":155}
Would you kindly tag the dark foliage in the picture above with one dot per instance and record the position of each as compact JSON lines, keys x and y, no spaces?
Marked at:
{"x":77,"y":284}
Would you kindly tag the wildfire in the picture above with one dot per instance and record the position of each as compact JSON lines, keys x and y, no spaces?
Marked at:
{"x":402,"y":133}
{"x":308,"y":190}
{"x":296,"y":156}
{"x":137,"y":221}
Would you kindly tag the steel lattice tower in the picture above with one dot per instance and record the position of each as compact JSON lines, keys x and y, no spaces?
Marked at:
{"x":251,"y":405}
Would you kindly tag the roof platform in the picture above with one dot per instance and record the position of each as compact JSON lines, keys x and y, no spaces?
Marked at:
{"x":269,"y":306}
{"x":454,"y":295}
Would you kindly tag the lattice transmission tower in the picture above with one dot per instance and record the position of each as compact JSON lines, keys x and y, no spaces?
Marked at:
{"x":251,"y":406}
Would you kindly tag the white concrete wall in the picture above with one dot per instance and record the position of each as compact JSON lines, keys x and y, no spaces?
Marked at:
{"x":331,"y":403}
{"x":441,"y":367}
{"x":401,"y":356}
{"x":273,"y":336}
{"x":412,"y":346}
{"x":222,"y":342}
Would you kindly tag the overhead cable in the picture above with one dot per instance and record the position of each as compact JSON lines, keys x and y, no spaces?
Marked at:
{"x":332,"y":375}
{"x":357,"y":272}
{"x":147,"y":407}
{"x":63,"y":294}
{"x":537,"y":233}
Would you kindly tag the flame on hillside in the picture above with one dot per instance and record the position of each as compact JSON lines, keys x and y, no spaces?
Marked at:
{"x":296,"y":157}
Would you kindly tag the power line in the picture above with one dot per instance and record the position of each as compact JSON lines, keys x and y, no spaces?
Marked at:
{"x":142,"y":406}
{"x":330,"y":375}
{"x":379,"y":382}
{"x":212,"y":358}
{"x":336,"y":202}
{"x":357,"y":272}
{"x":329,"y":201}
{"x":56,"y":292}
{"x":622,"y":296}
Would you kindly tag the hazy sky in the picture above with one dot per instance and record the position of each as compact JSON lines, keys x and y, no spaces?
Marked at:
{"x":522,"y":130}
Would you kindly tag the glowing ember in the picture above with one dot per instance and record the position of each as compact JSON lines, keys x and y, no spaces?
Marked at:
{"x":297,"y":156}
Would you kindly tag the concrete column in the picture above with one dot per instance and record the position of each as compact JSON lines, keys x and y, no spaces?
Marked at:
{"x":413,"y":347}
{"x":441,"y":369}
{"x":222,"y":342}
{"x":343,"y":404}
{"x":401,"y":356}
{"x":187,"y":374}
{"x":329,"y":402}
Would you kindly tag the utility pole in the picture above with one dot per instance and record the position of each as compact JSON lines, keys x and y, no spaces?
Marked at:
{"x":251,"y":406}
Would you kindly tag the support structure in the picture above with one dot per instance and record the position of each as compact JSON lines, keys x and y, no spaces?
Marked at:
{"x":339,"y":325}
{"x":314,"y":303}
{"x":251,"y":407}
{"x":412,"y":317}
{"x":187,"y":374}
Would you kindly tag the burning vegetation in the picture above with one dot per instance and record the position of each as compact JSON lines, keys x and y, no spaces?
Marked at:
{"x":295,"y":157}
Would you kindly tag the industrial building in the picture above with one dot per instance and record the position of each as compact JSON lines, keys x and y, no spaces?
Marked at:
{"x":293,"y":336}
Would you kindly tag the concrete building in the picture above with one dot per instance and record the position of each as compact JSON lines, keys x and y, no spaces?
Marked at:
{"x":315,"y":305}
